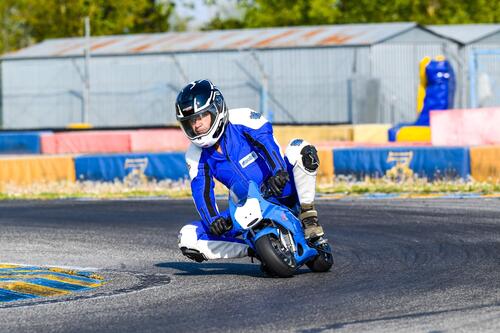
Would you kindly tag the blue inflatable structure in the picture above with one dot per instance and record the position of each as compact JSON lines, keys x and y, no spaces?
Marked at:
{"x":436,"y":91}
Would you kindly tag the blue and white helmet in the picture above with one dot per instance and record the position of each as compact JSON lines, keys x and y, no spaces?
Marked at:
{"x":197,"y":99}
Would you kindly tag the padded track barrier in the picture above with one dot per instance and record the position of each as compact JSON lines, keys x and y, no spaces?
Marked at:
{"x":28,"y":170}
{"x":20,"y":143}
{"x":312,"y":134}
{"x":485,"y":163}
{"x":86,"y":142}
{"x":466,"y":127}
{"x":430,"y":162}
{"x":371,"y":133}
{"x":171,"y":139}
{"x":158,"y":166}
{"x":414,"y":134}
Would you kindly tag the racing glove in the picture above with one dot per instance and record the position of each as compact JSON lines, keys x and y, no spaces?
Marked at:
{"x":220,"y":226}
{"x":276,"y":183}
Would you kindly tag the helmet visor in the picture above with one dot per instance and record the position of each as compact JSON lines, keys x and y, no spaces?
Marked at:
{"x":200,"y":123}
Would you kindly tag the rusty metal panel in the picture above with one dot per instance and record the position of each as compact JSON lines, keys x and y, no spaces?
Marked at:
{"x":347,"y":35}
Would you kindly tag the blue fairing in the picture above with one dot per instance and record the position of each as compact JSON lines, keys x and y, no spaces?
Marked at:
{"x":280,"y":215}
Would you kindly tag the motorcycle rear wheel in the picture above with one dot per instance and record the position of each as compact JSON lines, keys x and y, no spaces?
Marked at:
{"x":323,"y":261}
{"x":279,"y":261}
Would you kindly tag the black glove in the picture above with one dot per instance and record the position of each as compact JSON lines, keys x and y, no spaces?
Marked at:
{"x":276,"y":183}
{"x":220,"y":226}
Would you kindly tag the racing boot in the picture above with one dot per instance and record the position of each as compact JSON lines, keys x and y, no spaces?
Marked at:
{"x":309,"y":219}
{"x":193,"y":254}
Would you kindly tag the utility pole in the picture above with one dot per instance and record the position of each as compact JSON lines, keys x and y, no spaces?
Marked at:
{"x":86,"y":89}
{"x":264,"y":88}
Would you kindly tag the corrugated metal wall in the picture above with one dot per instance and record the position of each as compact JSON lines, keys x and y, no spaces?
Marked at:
{"x":309,"y":85}
{"x":397,"y":67}
{"x":486,"y":69}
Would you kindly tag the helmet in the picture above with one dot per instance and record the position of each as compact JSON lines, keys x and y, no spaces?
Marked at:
{"x":200,"y":99}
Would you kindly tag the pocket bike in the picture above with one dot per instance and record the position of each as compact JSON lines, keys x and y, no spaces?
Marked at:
{"x":275,"y":233}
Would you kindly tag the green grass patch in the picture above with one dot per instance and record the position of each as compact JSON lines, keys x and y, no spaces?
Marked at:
{"x":411,"y":186}
{"x":169,"y":189}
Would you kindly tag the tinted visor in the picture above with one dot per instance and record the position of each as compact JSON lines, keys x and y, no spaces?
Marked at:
{"x":200,"y":123}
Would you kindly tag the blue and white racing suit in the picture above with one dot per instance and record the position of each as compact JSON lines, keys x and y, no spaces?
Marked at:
{"x":248,"y":152}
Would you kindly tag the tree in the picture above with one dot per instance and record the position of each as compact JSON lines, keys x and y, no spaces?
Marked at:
{"x":27,"y":21}
{"x":12,"y":32}
{"x":271,"y":13}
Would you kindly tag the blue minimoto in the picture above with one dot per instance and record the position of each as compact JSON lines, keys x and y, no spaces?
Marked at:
{"x":275,"y":233}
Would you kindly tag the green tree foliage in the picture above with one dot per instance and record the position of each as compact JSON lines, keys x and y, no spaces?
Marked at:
{"x":28,"y":21}
{"x":271,"y":13}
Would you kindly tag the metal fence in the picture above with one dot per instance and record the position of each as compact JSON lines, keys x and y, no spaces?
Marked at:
{"x":362,"y":84}
{"x":484,"y":64}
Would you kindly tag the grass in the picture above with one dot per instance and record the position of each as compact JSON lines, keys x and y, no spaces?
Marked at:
{"x":410,"y":186}
{"x":181,"y":189}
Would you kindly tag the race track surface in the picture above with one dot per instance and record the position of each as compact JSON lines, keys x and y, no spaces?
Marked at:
{"x":428,"y":265}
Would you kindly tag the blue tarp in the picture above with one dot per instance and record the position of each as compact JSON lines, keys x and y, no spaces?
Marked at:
{"x":157,"y":166}
{"x":20,"y":142}
{"x":430,"y":162}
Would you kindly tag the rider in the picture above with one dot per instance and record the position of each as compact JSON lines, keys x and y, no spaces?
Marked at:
{"x":235,"y":146}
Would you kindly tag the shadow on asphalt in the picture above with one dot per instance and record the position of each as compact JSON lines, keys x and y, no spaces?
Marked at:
{"x":213,"y":268}
{"x":218,"y":268}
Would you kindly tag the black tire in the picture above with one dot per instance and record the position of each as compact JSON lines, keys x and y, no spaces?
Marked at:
{"x":278,"y":260}
{"x":324,"y":261}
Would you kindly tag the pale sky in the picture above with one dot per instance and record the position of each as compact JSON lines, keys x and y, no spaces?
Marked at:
{"x":202,"y":13}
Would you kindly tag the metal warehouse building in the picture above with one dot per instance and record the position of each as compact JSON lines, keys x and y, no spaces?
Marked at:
{"x":479,"y":58}
{"x":356,"y":73}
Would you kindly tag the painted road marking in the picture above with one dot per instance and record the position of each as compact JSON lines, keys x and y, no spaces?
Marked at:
{"x":18,"y":282}
{"x":31,"y":289}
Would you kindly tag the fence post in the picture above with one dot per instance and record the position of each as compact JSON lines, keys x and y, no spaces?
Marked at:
{"x":86,"y":90}
{"x":472,"y":79}
{"x":1,"y":94}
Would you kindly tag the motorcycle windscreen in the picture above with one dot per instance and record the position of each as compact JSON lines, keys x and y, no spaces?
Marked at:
{"x":238,"y":194}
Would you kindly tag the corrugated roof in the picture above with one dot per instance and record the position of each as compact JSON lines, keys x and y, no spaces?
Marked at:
{"x":465,"y":33}
{"x":348,"y":34}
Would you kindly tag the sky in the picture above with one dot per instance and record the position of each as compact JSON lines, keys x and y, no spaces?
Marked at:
{"x":202,"y":13}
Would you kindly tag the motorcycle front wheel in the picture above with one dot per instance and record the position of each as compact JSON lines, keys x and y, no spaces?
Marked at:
{"x":323,"y":261}
{"x":278,"y":259}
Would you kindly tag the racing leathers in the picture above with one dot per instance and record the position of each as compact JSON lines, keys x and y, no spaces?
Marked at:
{"x":246,"y":151}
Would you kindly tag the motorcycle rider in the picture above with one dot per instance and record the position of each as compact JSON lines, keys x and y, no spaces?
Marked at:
{"x":235,"y":146}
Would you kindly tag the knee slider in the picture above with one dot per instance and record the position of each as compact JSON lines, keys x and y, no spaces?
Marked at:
{"x":187,"y":236}
{"x":310,"y":159}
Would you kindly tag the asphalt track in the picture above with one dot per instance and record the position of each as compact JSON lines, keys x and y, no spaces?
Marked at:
{"x":428,"y":265}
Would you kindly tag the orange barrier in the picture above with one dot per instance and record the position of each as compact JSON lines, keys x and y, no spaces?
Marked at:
{"x":86,"y":142}
{"x":465,"y":127}
{"x":485,"y":163}
{"x":158,"y":140}
{"x":325,"y":171}
{"x":28,"y":170}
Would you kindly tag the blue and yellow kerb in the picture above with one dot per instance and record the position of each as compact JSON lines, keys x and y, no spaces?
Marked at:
{"x":18,"y":282}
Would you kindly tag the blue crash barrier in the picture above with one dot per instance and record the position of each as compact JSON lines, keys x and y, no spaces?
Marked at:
{"x":430,"y":162}
{"x":20,"y":142}
{"x":117,"y":167}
